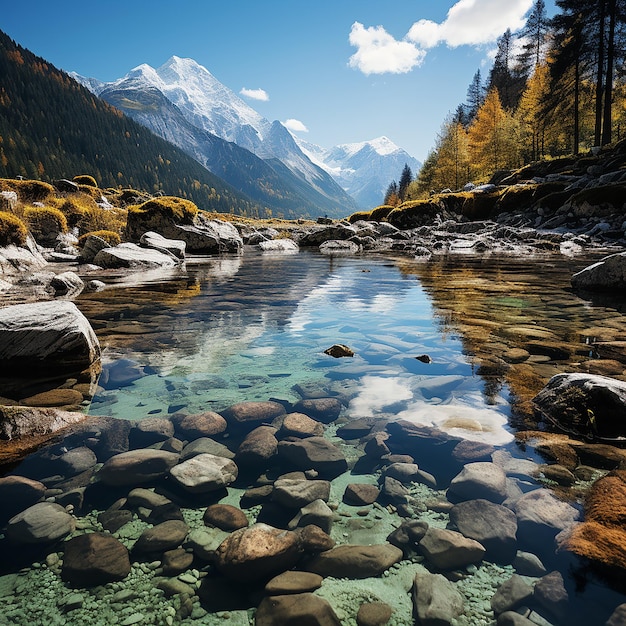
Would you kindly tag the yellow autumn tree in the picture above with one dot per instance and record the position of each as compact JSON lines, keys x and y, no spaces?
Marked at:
{"x":493,"y":138}
{"x":453,"y":163}
{"x":530,"y":114}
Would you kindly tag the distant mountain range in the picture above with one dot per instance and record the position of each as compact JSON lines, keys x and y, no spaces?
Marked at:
{"x":363,"y":169}
{"x":184,"y":103}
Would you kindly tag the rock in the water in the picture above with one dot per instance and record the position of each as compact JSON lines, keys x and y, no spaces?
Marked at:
{"x":511,"y":594}
{"x":257,"y":448}
{"x":339,"y":350}
{"x":355,"y":561}
{"x":43,"y":522}
{"x":157,"y":242}
{"x":176,"y":561}
{"x":540,"y":517}
{"x":53,"y":336}
{"x":293,"y":582}
{"x":492,"y":525}
{"x":149,"y":431}
{"x":67,"y":282}
{"x":584,"y":404}
{"x":204,"y":473}
{"x":300,"y":608}
{"x":373,"y":614}
{"x":317,"y":513}
{"x":360,"y":494}
{"x":94,"y":559}
{"x":257,"y":553}
{"x":447,"y":549}
{"x":339,"y":248}
{"x":325,"y":410}
{"x":551,"y":593}
{"x":246,"y":416}
{"x":206,"y":445}
{"x":91,"y":246}
{"x":479,"y":480}
{"x":295,"y":493}
{"x":18,"y":493}
{"x":608,"y":273}
{"x":205,"y":424}
{"x":315,"y":453}
{"x":278,"y":245}
{"x":165,"y":536}
{"x":225,"y":517}
{"x":20,"y":421}
{"x":136,"y":467}
{"x":300,"y":425}
{"x":436,"y":601}
{"x":131,"y":256}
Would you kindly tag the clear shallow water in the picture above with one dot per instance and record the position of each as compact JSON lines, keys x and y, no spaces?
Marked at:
{"x":255,"y":327}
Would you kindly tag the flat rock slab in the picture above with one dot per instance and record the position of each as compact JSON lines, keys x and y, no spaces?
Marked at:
{"x":293,"y":582}
{"x":131,"y":256}
{"x":17,"y":422}
{"x":355,"y":561}
{"x":52,"y":335}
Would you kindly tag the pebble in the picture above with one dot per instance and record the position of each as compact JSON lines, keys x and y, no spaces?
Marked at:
{"x":135,"y":618}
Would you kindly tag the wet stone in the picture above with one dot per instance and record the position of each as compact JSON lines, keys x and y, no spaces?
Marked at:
{"x":360,"y":494}
{"x":206,"y":445}
{"x":205,"y":424}
{"x":94,"y":559}
{"x":325,"y":410}
{"x":355,"y":561}
{"x":176,"y":561}
{"x":205,"y":473}
{"x":136,"y":467}
{"x":302,"y":608}
{"x":225,"y":517}
{"x":164,"y":536}
{"x":293,"y":582}
{"x":300,"y":425}
{"x":43,"y":522}
{"x":373,"y":614}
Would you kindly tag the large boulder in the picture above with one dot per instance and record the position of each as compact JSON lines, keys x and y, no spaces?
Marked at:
{"x":608,"y":273}
{"x":479,"y":480}
{"x":584,"y":404}
{"x":176,"y":218}
{"x":318,"y":235}
{"x":51,"y":336}
{"x":131,"y":256}
{"x":448,"y":549}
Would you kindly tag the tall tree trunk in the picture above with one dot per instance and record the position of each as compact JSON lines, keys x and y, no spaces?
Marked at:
{"x":600,"y":76}
{"x":607,"y":122}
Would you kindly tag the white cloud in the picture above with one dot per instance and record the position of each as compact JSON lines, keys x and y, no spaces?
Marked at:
{"x":379,"y":53}
{"x":295,"y":126}
{"x":255,"y":94}
{"x":471,"y":22}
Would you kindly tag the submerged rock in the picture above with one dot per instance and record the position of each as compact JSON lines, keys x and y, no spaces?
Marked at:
{"x":355,"y":561}
{"x":136,"y":467}
{"x":43,"y":522}
{"x":204,"y":473}
{"x":258,"y":553}
{"x":18,"y":422}
{"x":436,"y":600}
{"x":94,"y":559}
{"x":608,"y":273}
{"x":299,"y":608}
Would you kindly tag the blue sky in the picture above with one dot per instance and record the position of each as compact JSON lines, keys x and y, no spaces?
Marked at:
{"x":344,"y":70}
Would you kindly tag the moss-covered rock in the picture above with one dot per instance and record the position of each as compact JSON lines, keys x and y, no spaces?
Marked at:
{"x":27,"y":190}
{"x":414,"y":213}
{"x":111,"y":237}
{"x":12,"y":230}
{"x":85,"y":179}
{"x":45,"y":223}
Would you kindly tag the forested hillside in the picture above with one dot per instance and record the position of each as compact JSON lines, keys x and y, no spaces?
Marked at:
{"x":556,"y":88}
{"x":51,"y":127}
